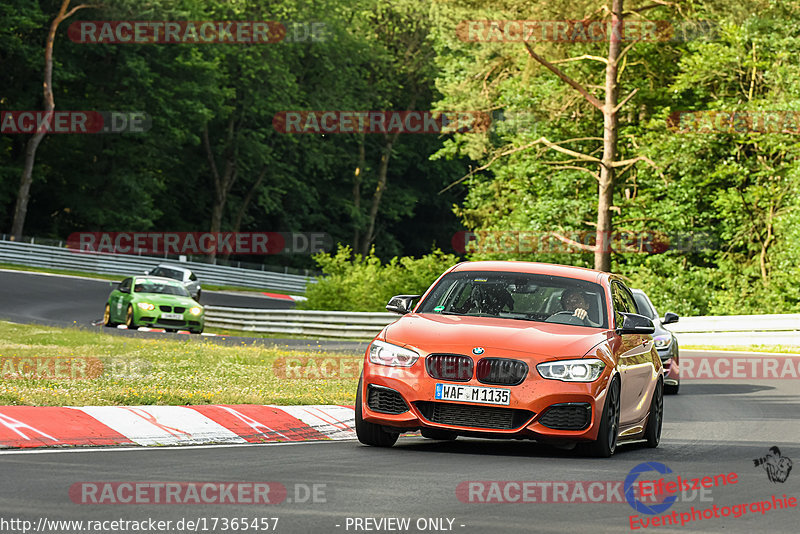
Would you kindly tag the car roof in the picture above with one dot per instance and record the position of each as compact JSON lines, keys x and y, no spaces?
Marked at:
{"x":552,"y":269}
{"x":174,"y":267}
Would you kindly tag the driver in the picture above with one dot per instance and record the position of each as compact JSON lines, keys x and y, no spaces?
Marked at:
{"x":575,"y":299}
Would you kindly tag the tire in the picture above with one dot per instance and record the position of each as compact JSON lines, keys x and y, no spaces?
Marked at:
{"x":440,"y":435}
{"x":606,"y":442}
{"x":129,"y":321}
{"x":107,"y":317}
{"x":672,"y":390}
{"x":370,"y":433}
{"x":196,"y":331}
{"x":197,"y":298}
{"x":655,"y":420}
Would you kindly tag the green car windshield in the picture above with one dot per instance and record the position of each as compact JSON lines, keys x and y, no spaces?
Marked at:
{"x":522,"y":296}
{"x":163,"y":288}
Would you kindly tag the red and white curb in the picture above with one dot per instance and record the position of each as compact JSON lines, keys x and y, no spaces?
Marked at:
{"x":54,"y":426}
{"x":281,"y":296}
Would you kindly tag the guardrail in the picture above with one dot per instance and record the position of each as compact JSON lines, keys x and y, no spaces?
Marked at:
{"x":728,"y":330}
{"x":337,"y":324}
{"x":712,"y":330}
{"x":33,"y":255}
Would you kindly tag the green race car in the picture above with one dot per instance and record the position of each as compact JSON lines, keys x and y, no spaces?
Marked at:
{"x":154,"y":302}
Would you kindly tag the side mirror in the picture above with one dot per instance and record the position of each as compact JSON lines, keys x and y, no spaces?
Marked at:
{"x":636,"y":324}
{"x":124,"y":290}
{"x":401,"y":303}
{"x":670,"y":318}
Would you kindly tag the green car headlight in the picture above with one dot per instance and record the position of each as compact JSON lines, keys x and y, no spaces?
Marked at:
{"x":146,"y":306}
{"x":583,"y":370}
{"x":195,"y":310}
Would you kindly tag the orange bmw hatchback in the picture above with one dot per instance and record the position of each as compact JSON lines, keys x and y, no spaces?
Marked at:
{"x":507,"y":349}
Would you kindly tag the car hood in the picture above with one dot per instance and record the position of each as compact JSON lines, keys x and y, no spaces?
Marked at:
{"x":168,"y":300}
{"x":459,"y":334}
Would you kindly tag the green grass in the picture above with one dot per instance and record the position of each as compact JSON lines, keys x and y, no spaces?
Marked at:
{"x":280,"y":335}
{"x":118,"y":277}
{"x":78,"y":367}
{"x":777,"y":349}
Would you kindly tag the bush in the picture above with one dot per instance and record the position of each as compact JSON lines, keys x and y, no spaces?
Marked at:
{"x":364,"y":284}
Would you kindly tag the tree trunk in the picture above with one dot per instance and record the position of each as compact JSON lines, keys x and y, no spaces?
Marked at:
{"x":383,"y":171}
{"x":222,"y":182}
{"x":23,"y":194}
{"x":605,"y":196}
{"x":358,"y":177}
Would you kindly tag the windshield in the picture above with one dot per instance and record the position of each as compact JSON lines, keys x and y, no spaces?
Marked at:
{"x":529,"y":297}
{"x":167,"y":273}
{"x":163,"y":288}
{"x":644,"y":306}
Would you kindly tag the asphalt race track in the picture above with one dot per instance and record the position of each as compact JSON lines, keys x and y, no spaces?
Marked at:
{"x":56,"y":300}
{"x":710,"y":429}
{"x":713,"y":427}
{"x":70,"y":300}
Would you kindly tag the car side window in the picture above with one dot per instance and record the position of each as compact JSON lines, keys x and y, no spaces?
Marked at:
{"x":125,"y":285}
{"x":630,"y":303}
{"x":192,"y":277}
{"x":620,"y":303}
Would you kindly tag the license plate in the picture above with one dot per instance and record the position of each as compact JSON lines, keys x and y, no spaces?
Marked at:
{"x":453,"y":392}
{"x":178,"y":316}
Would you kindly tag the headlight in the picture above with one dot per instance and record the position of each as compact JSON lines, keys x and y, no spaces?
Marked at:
{"x":388,"y":354}
{"x":583,"y":370}
{"x":662,"y":342}
{"x":195,"y":310}
{"x":146,"y":306}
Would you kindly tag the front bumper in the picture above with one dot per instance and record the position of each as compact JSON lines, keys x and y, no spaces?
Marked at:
{"x":155,"y":319}
{"x":404,"y":399}
{"x":671,"y":364}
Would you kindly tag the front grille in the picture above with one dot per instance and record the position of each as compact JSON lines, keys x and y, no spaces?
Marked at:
{"x":473,"y":416}
{"x":171,"y":322}
{"x":385,"y":400}
{"x":455,"y":367}
{"x":501,"y":371}
{"x":571,"y":416}
{"x":179,"y":309}
{"x":165,"y":308}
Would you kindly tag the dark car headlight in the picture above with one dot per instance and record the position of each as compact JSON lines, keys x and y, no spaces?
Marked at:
{"x":583,"y":370}
{"x":383,"y":353}
{"x":662,"y":341}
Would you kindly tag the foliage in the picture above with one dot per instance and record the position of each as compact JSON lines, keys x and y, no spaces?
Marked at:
{"x":363,"y":283}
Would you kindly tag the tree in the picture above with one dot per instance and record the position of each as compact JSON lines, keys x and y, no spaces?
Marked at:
{"x":23,"y":196}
